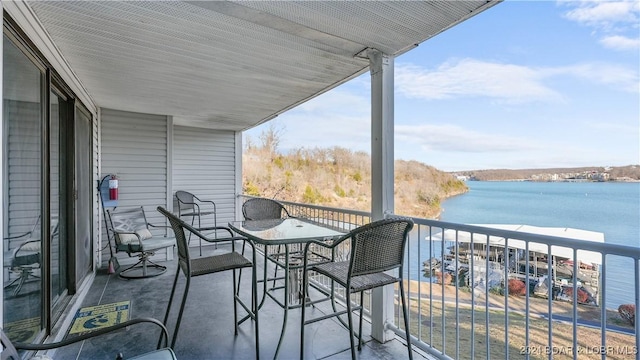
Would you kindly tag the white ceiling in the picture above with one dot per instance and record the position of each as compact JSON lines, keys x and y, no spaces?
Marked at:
{"x":232,"y":65}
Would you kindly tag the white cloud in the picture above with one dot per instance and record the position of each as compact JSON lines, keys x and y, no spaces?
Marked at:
{"x":451,"y":138}
{"x":617,"y":42}
{"x":475,"y":78}
{"x":337,"y":118}
{"x":615,"y":22}
{"x":504,"y":82}
{"x":615,"y":76}
{"x":604,"y":13}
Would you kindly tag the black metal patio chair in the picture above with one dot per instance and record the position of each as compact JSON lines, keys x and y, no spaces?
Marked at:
{"x":267,"y":209}
{"x":191,"y":206}
{"x":132,"y":235}
{"x":231,"y":260}
{"x":263,"y":209}
{"x":26,"y":258}
{"x":375,"y":249}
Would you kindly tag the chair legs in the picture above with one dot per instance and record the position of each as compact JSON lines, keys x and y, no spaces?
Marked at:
{"x":144,"y":268}
{"x":254,"y":304}
{"x":184,"y":300}
{"x":166,"y":314}
{"x":350,"y":321}
{"x":406,"y":319}
{"x":349,"y":324}
{"x":305,"y":283}
{"x":23,"y":275}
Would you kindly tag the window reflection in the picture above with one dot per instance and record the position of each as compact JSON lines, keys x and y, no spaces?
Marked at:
{"x":22,"y":129}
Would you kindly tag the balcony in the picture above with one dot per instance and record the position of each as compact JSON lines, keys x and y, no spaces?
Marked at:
{"x":447,"y":322}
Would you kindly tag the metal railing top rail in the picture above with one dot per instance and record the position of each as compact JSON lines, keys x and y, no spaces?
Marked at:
{"x":602,"y":247}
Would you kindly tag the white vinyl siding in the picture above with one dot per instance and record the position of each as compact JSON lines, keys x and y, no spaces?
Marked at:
{"x":204,"y":165}
{"x":134,"y":147}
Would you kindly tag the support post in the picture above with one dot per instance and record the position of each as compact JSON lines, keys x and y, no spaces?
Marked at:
{"x":382,"y":159}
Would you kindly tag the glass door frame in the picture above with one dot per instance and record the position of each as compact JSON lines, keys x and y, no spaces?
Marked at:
{"x":52,"y":82}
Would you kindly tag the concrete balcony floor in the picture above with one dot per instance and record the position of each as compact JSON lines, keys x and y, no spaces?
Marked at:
{"x":207,"y":330}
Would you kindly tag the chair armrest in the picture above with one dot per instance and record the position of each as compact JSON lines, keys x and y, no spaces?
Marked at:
{"x":209,"y":228}
{"x":324,"y":244}
{"x":331,"y":246}
{"x":55,"y":345}
{"x":18,"y":236}
{"x":198,"y":233}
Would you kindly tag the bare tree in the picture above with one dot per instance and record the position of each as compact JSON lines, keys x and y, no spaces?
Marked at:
{"x":271,"y":138}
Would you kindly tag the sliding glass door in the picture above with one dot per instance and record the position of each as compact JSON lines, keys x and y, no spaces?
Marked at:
{"x":83,"y":193}
{"x":47,"y":191}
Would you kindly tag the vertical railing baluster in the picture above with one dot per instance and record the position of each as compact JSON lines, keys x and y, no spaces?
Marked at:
{"x":506,"y":257}
{"x":527,"y":312}
{"x":603,"y":299}
{"x":471,"y":282}
{"x":550,"y":297}
{"x":431,"y":285}
{"x":575,"y":302}
{"x":637,"y":314}
{"x":486,"y":303}
{"x":457,"y":277}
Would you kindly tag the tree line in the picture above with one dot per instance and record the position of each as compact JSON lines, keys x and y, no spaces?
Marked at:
{"x":339,"y":177}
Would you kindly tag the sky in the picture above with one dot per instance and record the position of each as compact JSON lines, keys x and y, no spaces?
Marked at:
{"x":523,"y":85}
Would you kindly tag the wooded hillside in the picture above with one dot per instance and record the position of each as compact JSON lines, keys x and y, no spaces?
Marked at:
{"x":339,"y":177}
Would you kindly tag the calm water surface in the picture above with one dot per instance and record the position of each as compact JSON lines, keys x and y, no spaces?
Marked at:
{"x":610,"y":208}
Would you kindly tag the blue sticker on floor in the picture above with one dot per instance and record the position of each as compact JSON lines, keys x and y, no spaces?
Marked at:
{"x":100,"y":316}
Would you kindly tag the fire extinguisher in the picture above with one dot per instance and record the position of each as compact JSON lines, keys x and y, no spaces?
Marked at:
{"x":113,"y":188}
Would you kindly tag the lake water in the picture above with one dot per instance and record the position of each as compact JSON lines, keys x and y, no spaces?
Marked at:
{"x":610,"y":208}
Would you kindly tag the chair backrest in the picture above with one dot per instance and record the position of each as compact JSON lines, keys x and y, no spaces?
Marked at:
{"x":378,"y":246}
{"x":178,"y":226}
{"x":186,"y":201}
{"x":127,"y":221}
{"x":263,"y":209}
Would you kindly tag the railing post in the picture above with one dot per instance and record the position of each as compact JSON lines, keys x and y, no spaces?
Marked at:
{"x":381,"y":67}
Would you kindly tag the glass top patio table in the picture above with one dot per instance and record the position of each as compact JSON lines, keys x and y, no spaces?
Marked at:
{"x":283,"y":231}
{"x":288,"y":232}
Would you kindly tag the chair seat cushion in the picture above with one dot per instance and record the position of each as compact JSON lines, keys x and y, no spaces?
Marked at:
{"x":212,"y":264}
{"x":141,"y":234}
{"x":161,"y":354}
{"x":34,"y":245}
{"x":156,"y":243}
{"x":339,"y":271}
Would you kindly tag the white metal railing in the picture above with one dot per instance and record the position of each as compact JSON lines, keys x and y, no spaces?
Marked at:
{"x":474,"y":316}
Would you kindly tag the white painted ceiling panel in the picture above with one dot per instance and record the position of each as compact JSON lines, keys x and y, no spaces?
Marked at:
{"x":232,"y":65}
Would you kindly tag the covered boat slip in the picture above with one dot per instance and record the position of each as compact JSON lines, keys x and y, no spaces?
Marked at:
{"x":480,"y":249}
{"x":588,"y":257}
